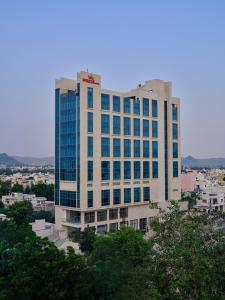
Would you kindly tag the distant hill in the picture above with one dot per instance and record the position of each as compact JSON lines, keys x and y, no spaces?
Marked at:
{"x":191,"y":162}
{"x":28,"y":160}
{"x":7,"y":160}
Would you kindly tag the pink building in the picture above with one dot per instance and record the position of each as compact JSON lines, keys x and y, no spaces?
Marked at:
{"x":190,"y":182}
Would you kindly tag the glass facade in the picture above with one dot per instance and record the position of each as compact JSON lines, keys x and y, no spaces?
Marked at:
{"x":105,"y":147}
{"x":146,"y":150}
{"x":90,"y":170}
{"x":175,"y":150}
{"x":105,"y":104}
{"x":116,"y":125}
{"x":175,"y":169}
{"x":154,"y":129}
{"x":127,"y":170}
{"x":90,"y":122}
{"x":126,"y":105}
{"x":116,"y":196}
{"x":136,"y":106}
{"x":116,"y":103}
{"x":136,"y":127}
{"x":137,"y":194}
{"x":68,"y":138}
{"x":90,"y":97}
{"x":175,"y":131}
{"x":174,"y":112}
{"x":105,"y":124}
{"x":90,"y":146}
{"x":90,"y":199}
{"x":146,"y":169}
{"x":105,"y":197}
{"x":146,"y":128}
{"x":145,"y":107}
{"x":68,"y":198}
{"x":116,"y":148}
{"x":155,"y":149}
{"x":126,"y":126}
{"x":155,"y":169}
{"x":137,"y":148}
{"x":137,"y":170}
{"x":105,"y":170}
{"x":146,"y":193}
{"x":154,"y":108}
{"x":116,"y":170}
{"x":57,"y":145}
{"x":127,"y":195}
{"x":127,"y":148}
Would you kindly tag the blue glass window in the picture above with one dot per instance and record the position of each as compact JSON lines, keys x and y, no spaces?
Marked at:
{"x":105,"y":147}
{"x":105,"y":197}
{"x":116,"y":170}
{"x":136,"y":106}
{"x":137,"y":148}
{"x":175,"y":131}
{"x":137,"y":194}
{"x":90,"y":170}
{"x":174,"y":112}
{"x":175,"y":150}
{"x":155,"y":149}
{"x":126,"y":125}
{"x":154,"y":108}
{"x":127,"y":170}
{"x":116,"y":196}
{"x":105,"y":170}
{"x":145,"y":106}
{"x":68,"y":198}
{"x":146,"y":150}
{"x":116,"y":147}
{"x":146,"y":193}
{"x":146,"y":128}
{"x":105,"y":124}
{"x":154,"y":129}
{"x":126,"y":105}
{"x":116,"y":103}
{"x":146,"y":170}
{"x":90,"y":198}
{"x":90,"y":146}
{"x":126,"y":148}
{"x":105,"y":102}
{"x":154,"y":169}
{"x":90,"y":121}
{"x":136,"y":127}
{"x":127,"y":195}
{"x":116,"y":125}
{"x":175,"y":169}
{"x":90,"y":97}
{"x":137,"y":170}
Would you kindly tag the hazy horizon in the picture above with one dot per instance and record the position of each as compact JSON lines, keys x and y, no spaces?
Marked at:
{"x":126,"y":43}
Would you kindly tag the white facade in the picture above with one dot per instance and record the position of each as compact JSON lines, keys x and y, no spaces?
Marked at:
{"x":212,"y":199}
{"x":164,"y":187}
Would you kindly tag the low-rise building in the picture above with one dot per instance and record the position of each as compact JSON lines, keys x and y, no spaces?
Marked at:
{"x":211,"y":199}
{"x":38,"y":203}
{"x":192,"y":181}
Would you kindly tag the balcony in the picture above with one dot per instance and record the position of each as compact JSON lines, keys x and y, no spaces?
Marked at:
{"x":71,"y":220}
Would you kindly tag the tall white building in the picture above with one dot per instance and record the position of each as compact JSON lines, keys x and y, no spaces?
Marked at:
{"x":115,"y":153}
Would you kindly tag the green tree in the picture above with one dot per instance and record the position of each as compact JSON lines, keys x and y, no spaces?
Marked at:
{"x":5,"y":187}
{"x":17,"y":188}
{"x":185,"y":252}
{"x":117,"y":262}
{"x":21,"y":212}
{"x":87,"y":239}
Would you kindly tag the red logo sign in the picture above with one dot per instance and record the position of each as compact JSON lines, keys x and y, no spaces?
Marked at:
{"x":90,"y":79}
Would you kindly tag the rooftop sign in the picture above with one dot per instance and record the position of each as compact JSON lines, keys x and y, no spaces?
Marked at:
{"x":90,"y":79}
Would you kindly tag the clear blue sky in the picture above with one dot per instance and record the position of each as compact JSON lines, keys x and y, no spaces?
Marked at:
{"x":127,"y":42}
